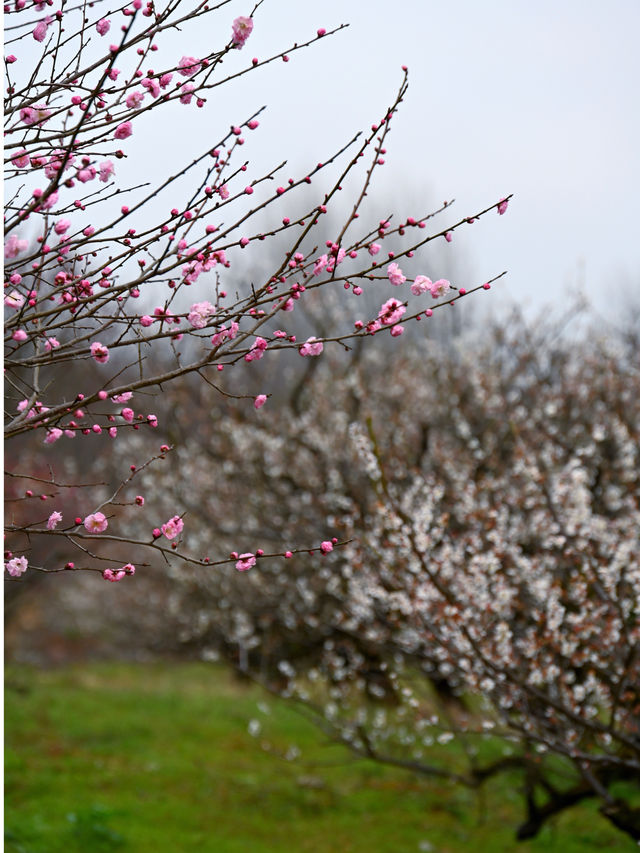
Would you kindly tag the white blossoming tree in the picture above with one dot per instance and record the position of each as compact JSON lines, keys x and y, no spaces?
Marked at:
{"x":489,"y":591}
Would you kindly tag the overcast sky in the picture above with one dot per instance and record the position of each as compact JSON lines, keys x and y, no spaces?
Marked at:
{"x":536,"y":99}
{"x":505,"y":96}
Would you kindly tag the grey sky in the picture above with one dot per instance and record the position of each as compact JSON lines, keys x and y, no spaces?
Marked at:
{"x":536,"y":99}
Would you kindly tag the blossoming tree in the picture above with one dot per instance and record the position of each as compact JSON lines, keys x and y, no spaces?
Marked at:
{"x":488,"y":593}
{"x":99,"y":274}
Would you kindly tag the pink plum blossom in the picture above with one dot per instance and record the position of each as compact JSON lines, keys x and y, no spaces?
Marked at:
{"x":326,"y":547}
{"x":40,"y":29}
{"x":96,"y":522}
{"x":395,"y":274}
{"x":242,"y":27}
{"x":20,"y":159}
{"x":439,"y":288}
{"x":99,"y":352}
{"x":16,"y":566}
{"x":397,"y":330}
{"x":61,"y":226}
{"x":103,"y":26}
{"x":113,"y":575}
{"x":173,"y":527}
{"x":49,"y":202}
{"x":320,"y":264}
{"x":106,"y":170}
{"x":391,"y":311}
{"x":124,"y":397}
{"x":123,"y":130}
{"x":257,"y":350}
{"x":34,"y":115}
{"x":187,"y":93}
{"x":54,"y":519}
{"x":422,"y":284}
{"x":134,"y":99}
{"x":502,"y":206}
{"x":312,"y":346}
{"x":151,"y":85}
{"x":199,"y":314}
{"x":14,"y":300}
{"x":374,"y":248}
{"x":188,"y":66}
{"x":19,"y":335}
{"x":259,"y":401}
{"x":245,"y":562}
{"x":14,"y":246}
{"x":87,"y":174}
{"x":53,"y":435}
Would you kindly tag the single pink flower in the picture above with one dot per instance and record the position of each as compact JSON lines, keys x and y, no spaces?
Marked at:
{"x":395,"y":274}
{"x":312,"y":346}
{"x":199,"y":314}
{"x":173,"y":527}
{"x":14,"y":247}
{"x":391,"y":311}
{"x":20,"y":159}
{"x":61,"y":226}
{"x":422,"y":284}
{"x":40,"y":29}
{"x":245,"y":562}
{"x":502,"y":206}
{"x":188,"y":66}
{"x":439,"y":288}
{"x":397,"y":330}
{"x":374,"y":248}
{"x":134,"y":99}
{"x":242,"y":27}
{"x":113,"y":576}
{"x":187,"y":93}
{"x":53,"y":435}
{"x":96,"y":522}
{"x":14,"y":299}
{"x":106,"y":170}
{"x":103,"y":26}
{"x":100,"y":352}
{"x":259,"y":401}
{"x":16,"y":566}
{"x":123,"y":130}
{"x":87,"y":174}
{"x":54,"y":519}
{"x":257,"y":350}
{"x":326,"y":547}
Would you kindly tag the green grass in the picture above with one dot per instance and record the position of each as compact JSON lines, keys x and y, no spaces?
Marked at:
{"x":152,"y":758}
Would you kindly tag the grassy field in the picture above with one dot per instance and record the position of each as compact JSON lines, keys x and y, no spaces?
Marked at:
{"x":152,"y":758}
